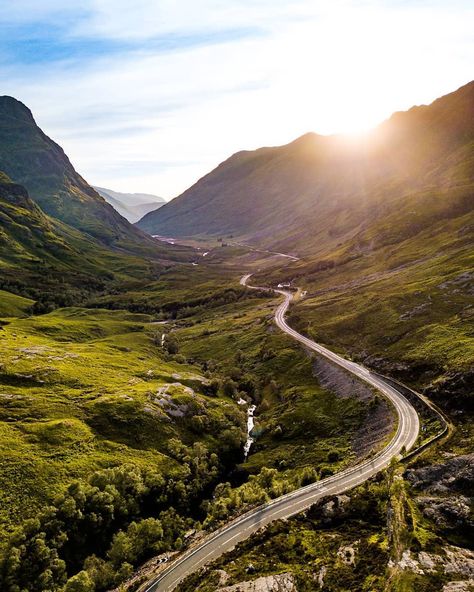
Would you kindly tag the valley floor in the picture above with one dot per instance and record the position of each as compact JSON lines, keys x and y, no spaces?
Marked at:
{"x":84,"y":390}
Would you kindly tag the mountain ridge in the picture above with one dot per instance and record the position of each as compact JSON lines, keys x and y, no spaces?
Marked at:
{"x":272,"y":196}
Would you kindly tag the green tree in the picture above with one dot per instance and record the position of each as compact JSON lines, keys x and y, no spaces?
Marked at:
{"x":81,"y":582}
{"x":140,"y":540}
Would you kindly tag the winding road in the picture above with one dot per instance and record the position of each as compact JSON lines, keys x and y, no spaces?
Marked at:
{"x":225,"y":539}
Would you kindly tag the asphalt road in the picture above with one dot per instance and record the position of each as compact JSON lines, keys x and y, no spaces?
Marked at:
{"x":225,"y":539}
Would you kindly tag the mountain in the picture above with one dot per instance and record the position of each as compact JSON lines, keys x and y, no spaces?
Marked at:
{"x":27,"y":235}
{"x":45,"y":259}
{"x":132,"y":206}
{"x":319,"y":191}
{"x":54,"y":264}
{"x":33,"y":160}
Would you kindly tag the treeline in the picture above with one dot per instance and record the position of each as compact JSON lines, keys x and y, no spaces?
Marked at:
{"x":266,"y":485}
{"x":96,"y":533}
{"x":179,"y":308}
{"x":51,"y":290}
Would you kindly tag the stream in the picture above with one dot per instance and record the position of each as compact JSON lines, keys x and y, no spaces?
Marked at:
{"x":250,"y":426}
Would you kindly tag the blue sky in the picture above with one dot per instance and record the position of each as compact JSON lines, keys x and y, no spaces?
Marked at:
{"x":150,"y":95}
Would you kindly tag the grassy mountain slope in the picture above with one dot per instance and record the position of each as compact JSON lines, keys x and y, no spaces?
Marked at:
{"x":32,"y":159}
{"x":404,"y":308}
{"x":319,"y":191}
{"x":58,"y":422}
{"x":47,"y":260}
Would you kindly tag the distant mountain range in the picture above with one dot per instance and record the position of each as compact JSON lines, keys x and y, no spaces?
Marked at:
{"x":131,"y":206}
{"x":319,"y":192}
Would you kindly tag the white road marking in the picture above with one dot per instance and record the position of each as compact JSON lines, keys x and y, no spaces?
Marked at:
{"x":301,"y":499}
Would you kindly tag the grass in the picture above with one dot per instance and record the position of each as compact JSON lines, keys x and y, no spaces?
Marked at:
{"x":12,"y":305}
{"x":77,"y":391}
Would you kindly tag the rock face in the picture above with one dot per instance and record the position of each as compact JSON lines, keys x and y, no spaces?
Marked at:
{"x":463,"y":586}
{"x":454,"y":475}
{"x":454,"y":561}
{"x":379,"y":420}
{"x":279,"y":583}
{"x":446,"y":493}
{"x":448,"y":513}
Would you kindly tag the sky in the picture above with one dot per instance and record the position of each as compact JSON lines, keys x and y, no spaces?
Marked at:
{"x":150,"y":95}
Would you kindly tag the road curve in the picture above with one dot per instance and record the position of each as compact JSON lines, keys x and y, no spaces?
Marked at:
{"x":224,"y":539}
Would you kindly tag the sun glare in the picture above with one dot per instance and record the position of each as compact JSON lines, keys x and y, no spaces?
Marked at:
{"x":347,"y":75}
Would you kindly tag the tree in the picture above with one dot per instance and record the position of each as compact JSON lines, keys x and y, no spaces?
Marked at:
{"x":81,"y":582}
{"x":140,"y":540}
{"x":31,"y":561}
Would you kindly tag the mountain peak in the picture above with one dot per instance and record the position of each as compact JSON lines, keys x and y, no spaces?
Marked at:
{"x":35,"y":161}
{"x":11,"y":107}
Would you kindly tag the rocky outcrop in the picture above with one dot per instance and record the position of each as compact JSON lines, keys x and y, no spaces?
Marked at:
{"x":450,"y":487}
{"x":463,"y":586}
{"x":454,"y":475}
{"x":347,"y":554}
{"x":448,"y":513}
{"x":453,"y":561}
{"x":333,"y":508}
{"x":453,"y":392}
{"x":278,"y":583}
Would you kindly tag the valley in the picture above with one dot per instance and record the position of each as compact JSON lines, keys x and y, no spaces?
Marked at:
{"x":303,"y":283}
{"x":146,"y":402}
{"x":293,"y":503}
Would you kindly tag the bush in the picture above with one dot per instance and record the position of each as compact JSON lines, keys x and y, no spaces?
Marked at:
{"x":171,"y":344}
{"x":229,"y":387}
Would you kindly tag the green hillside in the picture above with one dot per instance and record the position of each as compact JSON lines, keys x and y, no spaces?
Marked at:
{"x":46,"y":260}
